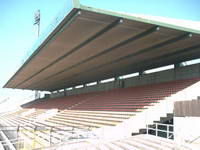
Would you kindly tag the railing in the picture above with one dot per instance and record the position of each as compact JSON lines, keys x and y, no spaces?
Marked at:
{"x":18,"y":143}
{"x":181,"y":141}
{"x":168,"y":130}
{"x":28,"y":137}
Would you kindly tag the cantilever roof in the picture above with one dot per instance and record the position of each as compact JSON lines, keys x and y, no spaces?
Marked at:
{"x":90,"y":44}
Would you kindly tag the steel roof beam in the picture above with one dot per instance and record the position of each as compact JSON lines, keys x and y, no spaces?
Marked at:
{"x":132,"y":39}
{"x":162,"y":44}
{"x":98,"y":34}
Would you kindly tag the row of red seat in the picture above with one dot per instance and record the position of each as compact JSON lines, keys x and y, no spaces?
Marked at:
{"x":126,"y":99}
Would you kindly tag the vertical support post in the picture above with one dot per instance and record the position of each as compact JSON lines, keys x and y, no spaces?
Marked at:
{"x":37,"y":22}
{"x":34,"y":139}
{"x":117,"y":78}
{"x":50,"y":140}
{"x":156,"y":129}
{"x":167,"y":131}
{"x":147,"y":128}
{"x":38,"y":28}
{"x":64,"y":91}
{"x":18,"y":145}
{"x":141,"y":73}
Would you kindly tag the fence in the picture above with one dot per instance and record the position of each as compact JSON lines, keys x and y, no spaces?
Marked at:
{"x":36,"y":137}
{"x":17,"y":144}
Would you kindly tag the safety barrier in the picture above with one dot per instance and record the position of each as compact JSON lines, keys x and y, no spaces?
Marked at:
{"x":159,"y":129}
{"x":27,"y":137}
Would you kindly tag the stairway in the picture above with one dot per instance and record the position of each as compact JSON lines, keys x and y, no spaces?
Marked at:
{"x":160,"y":127}
{"x":166,"y":120}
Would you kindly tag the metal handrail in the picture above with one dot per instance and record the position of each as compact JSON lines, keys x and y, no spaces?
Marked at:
{"x":163,"y":124}
{"x":157,"y":130}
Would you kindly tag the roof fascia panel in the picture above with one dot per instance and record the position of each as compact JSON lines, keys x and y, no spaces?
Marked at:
{"x":140,"y":19}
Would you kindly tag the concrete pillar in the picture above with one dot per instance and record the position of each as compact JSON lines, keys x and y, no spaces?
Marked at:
{"x":121,"y":83}
{"x":178,"y":65}
{"x":65,"y":92}
{"x":141,"y":73}
{"x":117,"y":78}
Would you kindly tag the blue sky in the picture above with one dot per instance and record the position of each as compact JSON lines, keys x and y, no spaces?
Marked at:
{"x":17,"y":33}
{"x":180,"y":9}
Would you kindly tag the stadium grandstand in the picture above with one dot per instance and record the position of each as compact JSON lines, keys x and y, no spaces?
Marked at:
{"x":104,"y":93}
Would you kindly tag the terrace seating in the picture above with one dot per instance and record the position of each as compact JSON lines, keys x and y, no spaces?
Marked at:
{"x":127,"y":99}
{"x":60,"y":103}
{"x":93,"y":110}
{"x":29,"y":128}
{"x":139,"y":142}
{"x":133,"y":99}
{"x":113,"y":107}
{"x":89,"y":119}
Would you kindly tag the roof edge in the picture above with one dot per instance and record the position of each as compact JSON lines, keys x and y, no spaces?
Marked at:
{"x":51,"y":36}
{"x":76,"y":3}
{"x":136,"y":18}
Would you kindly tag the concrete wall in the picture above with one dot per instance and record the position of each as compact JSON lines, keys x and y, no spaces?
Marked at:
{"x":98,"y":87}
{"x":187,"y":108}
{"x":187,"y":129}
{"x":186,"y":72}
{"x":58,"y":94}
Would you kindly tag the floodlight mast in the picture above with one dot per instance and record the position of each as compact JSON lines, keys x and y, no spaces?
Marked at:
{"x":37,"y":22}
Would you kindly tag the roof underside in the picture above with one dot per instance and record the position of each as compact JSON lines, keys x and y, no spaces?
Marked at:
{"x":91,"y":45}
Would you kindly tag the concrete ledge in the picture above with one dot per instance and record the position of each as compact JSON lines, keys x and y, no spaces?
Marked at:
{"x":186,"y":72}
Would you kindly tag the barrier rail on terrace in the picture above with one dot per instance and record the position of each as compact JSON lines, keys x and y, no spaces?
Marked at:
{"x":161,"y":130}
{"x":29,"y":137}
{"x":18,"y":144}
{"x":167,"y":131}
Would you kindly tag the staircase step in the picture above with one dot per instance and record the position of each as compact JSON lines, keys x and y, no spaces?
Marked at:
{"x":142,"y":131}
{"x":152,"y":126}
{"x":171,"y":115}
{"x":157,"y":121}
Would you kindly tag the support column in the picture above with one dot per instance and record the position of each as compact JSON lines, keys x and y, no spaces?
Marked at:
{"x":65,"y":94}
{"x":178,"y":65}
{"x":141,"y":73}
{"x":117,"y":78}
